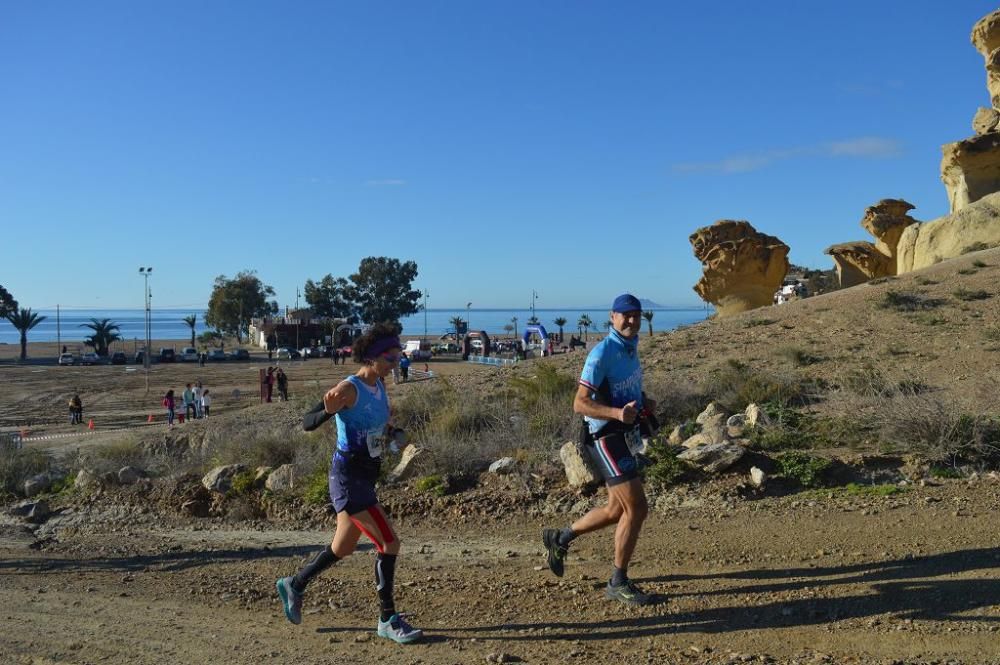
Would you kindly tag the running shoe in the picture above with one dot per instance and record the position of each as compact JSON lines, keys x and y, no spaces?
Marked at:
{"x":628,"y":593}
{"x":397,"y":630}
{"x":556,"y":552}
{"x":291,"y":600}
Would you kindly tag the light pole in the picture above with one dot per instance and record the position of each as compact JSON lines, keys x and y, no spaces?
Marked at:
{"x":534,"y":297}
{"x":146,"y":360}
{"x":297,"y":294}
{"x":426,"y":296}
{"x":468,"y":324}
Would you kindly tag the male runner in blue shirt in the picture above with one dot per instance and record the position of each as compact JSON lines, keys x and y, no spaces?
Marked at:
{"x":610,"y":398}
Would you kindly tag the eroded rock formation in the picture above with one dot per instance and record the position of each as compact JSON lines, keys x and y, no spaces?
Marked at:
{"x":742,"y":268}
{"x":977,"y":226}
{"x":970,"y":169}
{"x":858,"y":262}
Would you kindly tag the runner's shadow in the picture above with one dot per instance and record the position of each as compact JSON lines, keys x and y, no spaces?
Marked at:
{"x":898,"y":588}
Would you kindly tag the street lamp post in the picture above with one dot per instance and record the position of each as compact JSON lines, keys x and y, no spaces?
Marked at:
{"x":534,"y":297}
{"x":468,"y":323}
{"x":146,"y":360}
{"x":297,"y":294}
{"x":426,"y":295}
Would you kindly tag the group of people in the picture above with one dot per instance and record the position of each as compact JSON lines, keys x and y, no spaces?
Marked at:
{"x":402,"y":371}
{"x":609,"y":397}
{"x":196,"y":400}
{"x":275,"y":376}
{"x":75,"y":410}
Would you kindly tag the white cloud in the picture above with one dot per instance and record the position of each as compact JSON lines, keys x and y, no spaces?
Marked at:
{"x":386,"y":182}
{"x":867,"y":147}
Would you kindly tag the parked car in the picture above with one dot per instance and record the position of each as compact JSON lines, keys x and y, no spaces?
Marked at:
{"x":239,"y":354}
{"x":285,"y":353}
{"x":188,"y":354}
{"x":167,"y":356}
{"x":312,"y":352}
{"x":118,"y":358}
{"x":67,"y":359}
{"x":216,"y":355}
{"x":90,"y":358}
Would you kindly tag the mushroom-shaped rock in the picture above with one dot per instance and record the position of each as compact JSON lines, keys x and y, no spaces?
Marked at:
{"x":858,"y":262}
{"x":986,"y":39}
{"x":977,"y":225}
{"x":985,"y":121}
{"x":970,"y":169}
{"x":742,"y":268}
{"x":885,"y":221}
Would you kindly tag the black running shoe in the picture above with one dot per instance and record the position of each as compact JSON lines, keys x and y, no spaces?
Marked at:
{"x":628,"y":593}
{"x":557,"y":553}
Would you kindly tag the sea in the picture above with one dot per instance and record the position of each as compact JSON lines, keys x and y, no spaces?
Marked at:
{"x":169,"y":324}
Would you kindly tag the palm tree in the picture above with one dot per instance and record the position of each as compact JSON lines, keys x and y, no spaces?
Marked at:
{"x":513,"y":320}
{"x":560,"y":322}
{"x":191,"y":321}
{"x":508,"y":328}
{"x":105,"y":331}
{"x":584,"y":324}
{"x":607,"y":325}
{"x":456,"y":321}
{"x":24,"y":320}
{"x":648,"y":315}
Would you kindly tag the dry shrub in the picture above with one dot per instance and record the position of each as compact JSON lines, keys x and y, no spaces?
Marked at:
{"x":16,"y":466}
{"x":737,"y":384}
{"x":676,"y":401}
{"x":126,"y":452}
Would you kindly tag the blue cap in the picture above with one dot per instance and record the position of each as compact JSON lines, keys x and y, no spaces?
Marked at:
{"x":626,"y":302}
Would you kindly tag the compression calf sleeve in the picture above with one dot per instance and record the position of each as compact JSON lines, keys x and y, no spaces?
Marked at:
{"x":385,"y":575}
{"x":320,"y":562}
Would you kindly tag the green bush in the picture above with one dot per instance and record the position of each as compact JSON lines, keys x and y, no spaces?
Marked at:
{"x":908,"y":302}
{"x":806,"y":470}
{"x":938,"y":471}
{"x":431,"y":484}
{"x":243,"y":482}
{"x":316,"y":488}
{"x":968,"y":295}
{"x":855,"y":489}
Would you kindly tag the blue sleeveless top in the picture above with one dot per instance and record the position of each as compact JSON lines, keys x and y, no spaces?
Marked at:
{"x":361,"y":428}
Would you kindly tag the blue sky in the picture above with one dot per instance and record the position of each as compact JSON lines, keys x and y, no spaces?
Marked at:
{"x":565,"y":147}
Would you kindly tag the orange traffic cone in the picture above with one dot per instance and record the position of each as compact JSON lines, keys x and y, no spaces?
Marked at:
{"x":149,"y":418}
{"x":90,"y":425}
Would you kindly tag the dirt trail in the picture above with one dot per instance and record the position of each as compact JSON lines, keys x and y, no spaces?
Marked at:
{"x":808,"y":578}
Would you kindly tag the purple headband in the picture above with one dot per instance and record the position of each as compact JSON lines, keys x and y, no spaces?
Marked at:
{"x":381,"y":346}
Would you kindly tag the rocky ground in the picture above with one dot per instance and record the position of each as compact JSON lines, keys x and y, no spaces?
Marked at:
{"x":807,"y":577}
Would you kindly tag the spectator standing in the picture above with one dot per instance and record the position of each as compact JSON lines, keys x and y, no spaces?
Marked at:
{"x":75,"y":410}
{"x":196,"y":399}
{"x":282,"y":381}
{"x":169,"y":404}
{"x":206,"y":403}
{"x":187,"y":397}
{"x":404,"y":367}
{"x":269,"y":384}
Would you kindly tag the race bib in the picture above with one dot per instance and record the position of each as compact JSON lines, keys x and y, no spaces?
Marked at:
{"x":633,"y":438}
{"x":373,"y":438}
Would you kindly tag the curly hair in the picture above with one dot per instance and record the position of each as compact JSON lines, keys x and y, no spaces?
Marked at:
{"x":373,"y":334}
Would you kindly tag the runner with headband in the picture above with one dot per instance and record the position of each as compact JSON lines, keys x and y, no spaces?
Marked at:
{"x":361,"y":407}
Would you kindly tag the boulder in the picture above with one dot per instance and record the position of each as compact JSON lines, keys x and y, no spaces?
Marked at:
{"x":711,"y":411}
{"x":129,"y":475}
{"x":858,"y":262}
{"x":503,"y":465}
{"x":405,"y":468}
{"x":736,"y":424}
{"x":220,"y":479}
{"x":757,"y":478}
{"x":713,"y":457}
{"x":714,"y":429}
{"x":86,"y":479}
{"x":754,"y":416}
{"x":742,"y":268}
{"x":976,"y":225}
{"x":32,"y":511}
{"x":260,"y":476}
{"x":577,"y":466}
{"x":696,"y":440}
{"x":282,"y":479}
{"x":37,"y":484}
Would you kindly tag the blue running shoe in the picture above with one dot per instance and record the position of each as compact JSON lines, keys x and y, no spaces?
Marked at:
{"x":291,"y":600}
{"x":397,"y":630}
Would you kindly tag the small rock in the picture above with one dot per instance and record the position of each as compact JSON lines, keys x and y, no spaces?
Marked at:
{"x":757,"y":477}
{"x":37,"y":484}
{"x":502,"y":465}
{"x":129,"y":475}
{"x":282,"y":479}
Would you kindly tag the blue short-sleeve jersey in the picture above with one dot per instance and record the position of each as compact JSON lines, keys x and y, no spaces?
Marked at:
{"x":613,"y":375}
{"x":360,"y":428}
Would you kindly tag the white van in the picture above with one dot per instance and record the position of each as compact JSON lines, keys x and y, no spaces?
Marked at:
{"x":417,"y":350}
